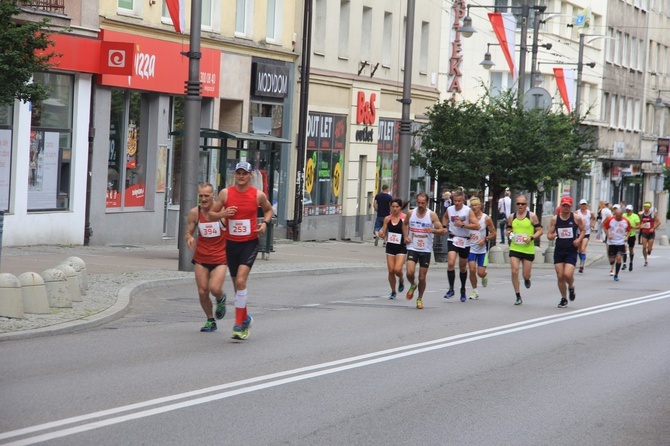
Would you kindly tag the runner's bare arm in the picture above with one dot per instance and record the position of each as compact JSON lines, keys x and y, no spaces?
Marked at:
{"x":382,"y":231}
{"x":265,"y":205}
{"x":491,"y":228}
{"x":190,"y":227}
{"x":551,"y":234}
{"x":437,"y":225}
{"x":217,"y":211}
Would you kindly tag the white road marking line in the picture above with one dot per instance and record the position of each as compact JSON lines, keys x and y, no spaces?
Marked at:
{"x":303,"y":373}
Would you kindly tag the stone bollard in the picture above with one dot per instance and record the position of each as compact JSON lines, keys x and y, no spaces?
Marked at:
{"x":496,"y":255}
{"x":539,"y":255}
{"x":58,"y":291}
{"x":34,"y":294}
{"x":11,"y":303}
{"x":77,"y":269}
{"x":72,"y":281}
{"x":549,"y":255}
{"x":505,"y":250}
{"x":663,"y":241}
{"x":83,"y":275}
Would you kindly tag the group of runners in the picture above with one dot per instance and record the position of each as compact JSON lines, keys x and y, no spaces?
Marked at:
{"x":410,"y":239}
{"x":225,"y":234}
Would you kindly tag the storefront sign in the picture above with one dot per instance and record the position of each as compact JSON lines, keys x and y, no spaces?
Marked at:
{"x":102,"y":57}
{"x":269,"y":80}
{"x":159,"y":65}
{"x":456,"y":57}
{"x":366,"y":114}
{"x":387,"y":154}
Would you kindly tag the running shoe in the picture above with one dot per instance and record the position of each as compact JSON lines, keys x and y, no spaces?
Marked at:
{"x":221,"y":307}
{"x":611,"y":273}
{"x":410,"y":292}
{"x":645,"y":263}
{"x":463,"y":298}
{"x":376,"y":241}
{"x":526,"y":283}
{"x":571,"y":294}
{"x":518,"y":301}
{"x":623,"y":267}
{"x":616,"y":278}
{"x":401,"y":287}
{"x":474,"y":295}
{"x":419,"y":304}
{"x":563,"y":303}
{"x":630,"y":267}
{"x":449,"y":294}
{"x":485,"y":281}
{"x":392,"y":296}
{"x":209,"y":327}
{"x":242,"y":331}
{"x":581,"y":269}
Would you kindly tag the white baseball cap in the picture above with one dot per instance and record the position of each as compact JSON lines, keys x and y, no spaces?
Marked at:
{"x":582,"y":201}
{"x":629,"y":207}
{"x":616,"y":206}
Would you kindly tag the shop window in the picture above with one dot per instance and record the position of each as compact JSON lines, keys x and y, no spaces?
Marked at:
{"x":6,"y":113}
{"x":51,"y":144}
{"x":129,"y":6}
{"x":126,"y":170}
{"x":326,"y":142}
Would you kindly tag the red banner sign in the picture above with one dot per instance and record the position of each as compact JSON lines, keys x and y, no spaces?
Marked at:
{"x":159,"y":65}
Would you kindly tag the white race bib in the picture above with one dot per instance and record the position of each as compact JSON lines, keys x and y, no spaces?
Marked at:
{"x":474,"y":238}
{"x":209,"y":229}
{"x":520,"y":239}
{"x":646,"y":225}
{"x":565,"y":233}
{"x":459,"y":242}
{"x":239,"y":227}
{"x":394,"y":238}
{"x":420,"y":242}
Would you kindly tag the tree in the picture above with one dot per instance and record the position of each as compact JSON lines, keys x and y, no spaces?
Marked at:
{"x":22,"y":52}
{"x":495,"y":143}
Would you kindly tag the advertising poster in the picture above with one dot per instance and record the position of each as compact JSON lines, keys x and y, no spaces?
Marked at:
{"x":161,"y":168}
{"x":43,"y":176}
{"x":387,"y":155}
{"x":326,"y":141}
{"x":5,"y":167}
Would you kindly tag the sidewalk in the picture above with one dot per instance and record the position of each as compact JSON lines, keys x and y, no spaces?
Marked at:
{"x":117,"y":273}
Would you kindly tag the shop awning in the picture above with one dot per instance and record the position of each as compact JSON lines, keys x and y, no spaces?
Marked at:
{"x":240,"y":136}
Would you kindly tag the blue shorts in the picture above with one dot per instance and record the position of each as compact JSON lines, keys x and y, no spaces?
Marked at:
{"x":379,"y":222}
{"x":479,"y":258}
{"x":566,"y":256}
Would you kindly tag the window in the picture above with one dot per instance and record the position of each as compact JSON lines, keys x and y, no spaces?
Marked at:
{"x":613,"y":105}
{"x":319,"y":37}
{"x":130,"y":6}
{"x":629,"y":114}
{"x":609,"y":46}
{"x":638,"y":116}
{"x":621,"y":113}
{"x":603,"y":107}
{"x":206,"y":17}
{"x":127,"y":151}
{"x":640,"y":55}
{"x":51,"y":144}
{"x":387,"y":39}
{"x":423,"y":50}
{"x":624,"y":50}
{"x":6,"y":114}
{"x":633,"y":53}
{"x":343,"y":38}
{"x":244,"y":15}
{"x":366,"y":34}
{"x":617,"y":48}
{"x":271,"y":26}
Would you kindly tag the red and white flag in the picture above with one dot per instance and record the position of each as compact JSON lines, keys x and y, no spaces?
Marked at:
{"x":504,"y":25}
{"x":177,"y":14}
{"x":565,"y":80}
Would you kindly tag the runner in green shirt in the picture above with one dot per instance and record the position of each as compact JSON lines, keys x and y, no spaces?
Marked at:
{"x":634,"y":221}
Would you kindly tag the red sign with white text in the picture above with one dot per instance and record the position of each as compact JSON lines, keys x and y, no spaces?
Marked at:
{"x":366,"y":112}
{"x":158,"y":65}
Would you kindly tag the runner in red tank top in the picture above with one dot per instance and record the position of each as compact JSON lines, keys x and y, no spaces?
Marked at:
{"x":239,"y":205}
{"x":209,"y":257}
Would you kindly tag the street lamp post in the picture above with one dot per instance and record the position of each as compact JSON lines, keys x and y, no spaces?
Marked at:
{"x":580,"y":67}
{"x":189,"y":157}
{"x":405,"y":143}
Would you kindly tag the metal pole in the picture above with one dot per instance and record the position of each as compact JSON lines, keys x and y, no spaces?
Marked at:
{"x":536,"y":31}
{"x":191,"y":143}
{"x":302,"y":120}
{"x":524,"y":48}
{"x":2,"y":224}
{"x":580,"y":68}
{"x":405,"y":143}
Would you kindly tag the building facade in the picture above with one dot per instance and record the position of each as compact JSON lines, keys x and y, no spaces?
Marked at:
{"x":356,"y":82}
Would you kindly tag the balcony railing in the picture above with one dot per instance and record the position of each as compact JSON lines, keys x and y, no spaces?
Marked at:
{"x":46,"y":5}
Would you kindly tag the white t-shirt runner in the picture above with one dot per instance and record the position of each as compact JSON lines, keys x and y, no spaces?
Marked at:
{"x":458,"y":235}
{"x":420,"y":234}
{"x":477,"y":235}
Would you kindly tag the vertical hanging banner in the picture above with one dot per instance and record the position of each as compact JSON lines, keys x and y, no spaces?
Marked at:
{"x":565,"y":80}
{"x":177,"y":11}
{"x":504,"y":26}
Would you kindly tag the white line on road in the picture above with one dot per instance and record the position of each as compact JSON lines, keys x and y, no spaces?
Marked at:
{"x":300,"y":374}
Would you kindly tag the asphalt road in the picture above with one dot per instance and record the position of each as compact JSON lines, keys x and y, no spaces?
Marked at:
{"x":332,"y":361}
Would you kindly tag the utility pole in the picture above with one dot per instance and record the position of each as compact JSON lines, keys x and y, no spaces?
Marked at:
{"x":191,"y":143}
{"x":525,"y":12}
{"x":405,"y":146}
{"x":580,"y":69}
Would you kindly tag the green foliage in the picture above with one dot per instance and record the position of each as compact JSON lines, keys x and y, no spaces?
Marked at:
{"x":18,"y":58}
{"x":496,"y":144}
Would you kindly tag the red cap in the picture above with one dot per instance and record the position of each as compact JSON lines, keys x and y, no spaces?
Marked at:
{"x":566,"y":200}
